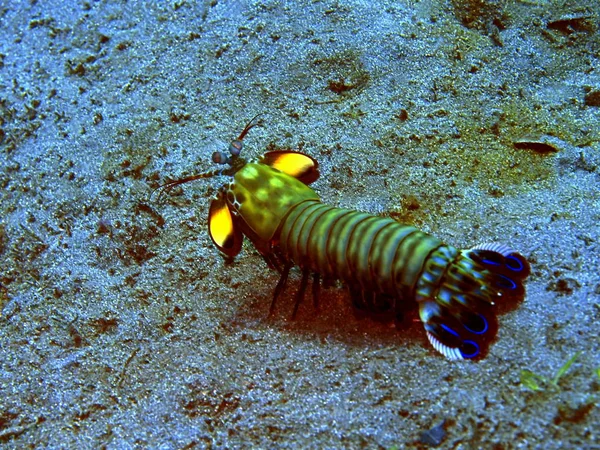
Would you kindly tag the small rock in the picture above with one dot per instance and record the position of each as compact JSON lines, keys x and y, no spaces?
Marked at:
{"x":572,"y":24}
{"x":435,"y":435}
{"x":540,"y":144}
{"x":592,"y":98}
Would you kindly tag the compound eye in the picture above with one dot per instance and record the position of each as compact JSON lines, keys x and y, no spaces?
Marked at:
{"x":220,"y":158}
{"x":235,"y":148}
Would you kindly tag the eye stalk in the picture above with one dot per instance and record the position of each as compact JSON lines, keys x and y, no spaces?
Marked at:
{"x":221,"y":158}
{"x":235,"y":162}
{"x":235,"y":148}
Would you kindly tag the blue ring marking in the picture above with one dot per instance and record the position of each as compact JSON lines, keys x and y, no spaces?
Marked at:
{"x":478,"y":332}
{"x":449,"y":330}
{"x":511,"y":285}
{"x":490,"y":262}
{"x":519,"y":263}
{"x":472,"y":355}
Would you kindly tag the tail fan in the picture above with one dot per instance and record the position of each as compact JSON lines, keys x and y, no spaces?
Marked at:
{"x":461,"y":320}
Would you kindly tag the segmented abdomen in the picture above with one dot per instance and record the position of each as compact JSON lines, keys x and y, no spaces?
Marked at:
{"x":372,"y":253}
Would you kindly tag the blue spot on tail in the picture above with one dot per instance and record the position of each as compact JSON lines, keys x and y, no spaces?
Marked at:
{"x":514,"y":263}
{"x":483,"y":330}
{"x":506,"y":283}
{"x":490,"y":262}
{"x":449,"y":330}
{"x":469,"y":349}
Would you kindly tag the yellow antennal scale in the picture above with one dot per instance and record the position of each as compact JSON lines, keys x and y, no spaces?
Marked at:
{"x":224,"y":234}
{"x":294,"y":164}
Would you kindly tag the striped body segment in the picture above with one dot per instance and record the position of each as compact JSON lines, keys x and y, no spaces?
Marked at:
{"x":372,"y":253}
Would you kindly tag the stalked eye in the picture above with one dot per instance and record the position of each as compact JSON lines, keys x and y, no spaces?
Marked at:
{"x":235,"y":148}
{"x":220,"y":158}
{"x":469,"y":349}
{"x":506,"y":283}
{"x":476,"y":323}
{"x":514,"y":263}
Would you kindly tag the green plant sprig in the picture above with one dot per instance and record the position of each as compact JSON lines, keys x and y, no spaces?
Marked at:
{"x":537,"y":382}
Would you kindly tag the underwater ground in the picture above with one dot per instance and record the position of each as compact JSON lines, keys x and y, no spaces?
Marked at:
{"x":123,"y":327}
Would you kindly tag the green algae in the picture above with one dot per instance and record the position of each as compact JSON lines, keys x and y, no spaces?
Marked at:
{"x":537,"y":382}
